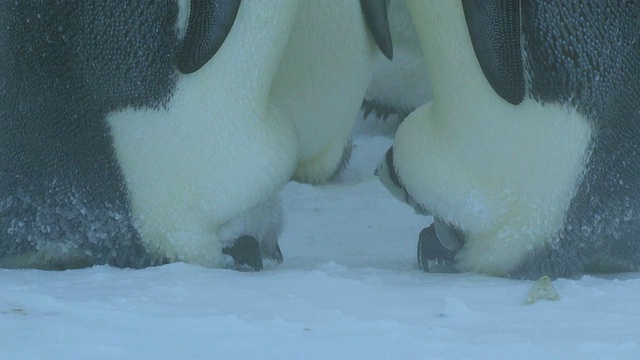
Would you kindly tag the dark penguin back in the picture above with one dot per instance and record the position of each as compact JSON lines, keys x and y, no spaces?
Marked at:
{"x":587,"y":54}
{"x":63,"y":66}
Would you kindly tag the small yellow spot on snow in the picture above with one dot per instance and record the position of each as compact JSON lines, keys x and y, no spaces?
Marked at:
{"x":542,"y":289}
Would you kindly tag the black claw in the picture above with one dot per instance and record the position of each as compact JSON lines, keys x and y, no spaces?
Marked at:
{"x":245,"y":251}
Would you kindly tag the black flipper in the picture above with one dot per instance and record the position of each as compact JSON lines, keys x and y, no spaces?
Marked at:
{"x":375,"y":14}
{"x":209,"y":24}
{"x":494,"y":27}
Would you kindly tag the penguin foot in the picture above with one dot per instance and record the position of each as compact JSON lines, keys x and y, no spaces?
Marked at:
{"x":437,"y":246}
{"x":245,"y":252}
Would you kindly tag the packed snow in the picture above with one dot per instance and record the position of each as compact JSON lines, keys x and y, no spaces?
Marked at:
{"x":349,"y":288}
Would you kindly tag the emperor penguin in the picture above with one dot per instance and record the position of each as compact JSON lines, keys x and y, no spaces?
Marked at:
{"x":528,"y":157}
{"x":398,"y":87}
{"x":320,"y":83}
{"x":139,"y":133}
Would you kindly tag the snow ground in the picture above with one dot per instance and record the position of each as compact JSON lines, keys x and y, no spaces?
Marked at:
{"x":349,"y":289}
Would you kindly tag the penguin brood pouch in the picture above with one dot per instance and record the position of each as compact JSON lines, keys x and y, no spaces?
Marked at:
{"x":528,"y":155}
{"x":76,"y":77}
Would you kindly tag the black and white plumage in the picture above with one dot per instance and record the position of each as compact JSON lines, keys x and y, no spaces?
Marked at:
{"x":110,"y":155}
{"x":328,"y":62}
{"x":530,"y":146}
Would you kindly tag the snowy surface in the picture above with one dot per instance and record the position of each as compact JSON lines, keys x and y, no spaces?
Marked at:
{"x":349,"y":289}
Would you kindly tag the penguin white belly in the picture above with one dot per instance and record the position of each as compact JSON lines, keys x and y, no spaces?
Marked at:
{"x":321,"y":80}
{"x":481,"y":163}
{"x":218,"y":149}
{"x":402,"y":84}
